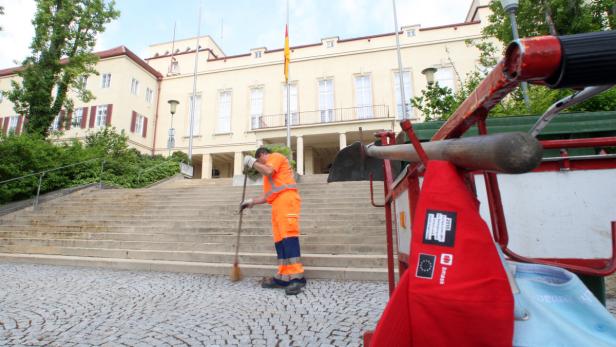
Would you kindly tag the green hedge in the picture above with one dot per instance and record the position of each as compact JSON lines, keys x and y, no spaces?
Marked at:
{"x":122,"y":166}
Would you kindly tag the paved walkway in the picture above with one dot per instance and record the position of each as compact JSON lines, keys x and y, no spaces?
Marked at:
{"x":71,"y":306}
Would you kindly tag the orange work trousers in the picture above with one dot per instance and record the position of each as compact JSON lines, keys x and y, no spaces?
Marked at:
{"x":285,"y":227}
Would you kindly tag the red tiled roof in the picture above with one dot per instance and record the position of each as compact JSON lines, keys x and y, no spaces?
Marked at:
{"x":110,"y":53}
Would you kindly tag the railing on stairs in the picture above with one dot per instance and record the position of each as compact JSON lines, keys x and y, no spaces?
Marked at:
{"x":41,"y":174}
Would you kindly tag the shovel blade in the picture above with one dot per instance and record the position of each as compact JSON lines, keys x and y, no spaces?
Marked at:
{"x":351,"y":164}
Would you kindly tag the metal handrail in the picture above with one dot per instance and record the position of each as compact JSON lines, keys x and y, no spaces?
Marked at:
{"x":42,"y":173}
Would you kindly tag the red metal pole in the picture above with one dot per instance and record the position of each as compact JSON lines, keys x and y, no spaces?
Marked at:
{"x":388,"y":138}
{"x":534,"y":60}
{"x":578,"y":143}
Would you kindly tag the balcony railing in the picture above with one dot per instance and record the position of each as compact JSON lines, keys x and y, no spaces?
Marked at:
{"x":321,"y":116}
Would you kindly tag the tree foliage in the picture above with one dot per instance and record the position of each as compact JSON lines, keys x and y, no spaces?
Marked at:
{"x":534,"y":18}
{"x":1,"y":13}
{"x":123,"y":166}
{"x":61,"y":53}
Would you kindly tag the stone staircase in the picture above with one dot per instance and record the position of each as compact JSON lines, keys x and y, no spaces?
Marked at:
{"x":191,"y":225}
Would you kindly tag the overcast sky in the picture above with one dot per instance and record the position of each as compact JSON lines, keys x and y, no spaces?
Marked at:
{"x":236,"y":25}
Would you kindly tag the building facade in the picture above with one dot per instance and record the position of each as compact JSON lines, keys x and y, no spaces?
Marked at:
{"x":337,"y":87}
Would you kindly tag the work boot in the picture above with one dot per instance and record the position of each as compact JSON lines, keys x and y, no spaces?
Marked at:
{"x":294,"y":288}
{"x":270,"y":283}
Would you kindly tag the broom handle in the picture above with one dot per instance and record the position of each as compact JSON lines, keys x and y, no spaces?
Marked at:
{"x":239,"y":225}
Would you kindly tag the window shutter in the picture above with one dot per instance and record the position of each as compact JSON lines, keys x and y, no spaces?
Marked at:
{"x":69,"y":119}
{"x":92,"y":116}
{"x":133,"y":120}
{"x":61,"y":120}
{"x":20,"y":120}
{"x":145,"y":126}
{"x":84,"y":118}
{"x":109,"y":112}
{"x":2,"y":125}
{"x":5,"y":128}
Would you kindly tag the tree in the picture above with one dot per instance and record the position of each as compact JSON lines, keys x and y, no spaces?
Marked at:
{"x":545,"y":17}
{"x":65,"y":35}
{"x":534,"y":18}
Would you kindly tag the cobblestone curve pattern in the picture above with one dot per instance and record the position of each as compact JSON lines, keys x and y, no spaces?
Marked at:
{"x":44,"y":305}
{"x":69,"y":306}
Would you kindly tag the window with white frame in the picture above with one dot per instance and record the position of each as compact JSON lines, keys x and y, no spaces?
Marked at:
{"x":106,"y":80}
{"x":410,"y":33}
{"x":445,"y":78}
{"x":258,"y":54}
{"x":408,"y":94}
{"x":83,"y":81}
{"x":139,"y":124}
{"x":149,"y":93}
{"x":55,"y":125}
{"x":326,"y":100}
{"x":101,"y":116}
{"x":224,"y":112}
{"x":294,"y":104}
{"x":329,"y":43}
{"x":256,"y":108}
{"x":13,"y":121}
{"x":363,"y":96}
{"x":134,"y":86}
{"x":174,"y":67}
{"x":77,"y":117}
{"x":197,"y":115}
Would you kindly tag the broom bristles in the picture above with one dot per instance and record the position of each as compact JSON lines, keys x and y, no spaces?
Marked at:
{"x":236,"y":273}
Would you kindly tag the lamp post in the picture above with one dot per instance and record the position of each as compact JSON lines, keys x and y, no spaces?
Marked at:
{"x":429,"y":73}
{"x":173,"y":104}
{"x":511,"y":6}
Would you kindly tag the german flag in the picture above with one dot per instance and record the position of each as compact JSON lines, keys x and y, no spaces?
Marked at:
{"x":287,"y":53}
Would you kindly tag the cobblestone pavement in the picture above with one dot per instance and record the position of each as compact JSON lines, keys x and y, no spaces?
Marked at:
{"x":72,"y":306}
{"x":69,"y":306}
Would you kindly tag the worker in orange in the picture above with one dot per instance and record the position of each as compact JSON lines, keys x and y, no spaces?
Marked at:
{"x":280,"y":191}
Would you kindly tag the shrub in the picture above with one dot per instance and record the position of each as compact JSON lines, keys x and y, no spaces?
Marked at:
{"x":122,"y":166}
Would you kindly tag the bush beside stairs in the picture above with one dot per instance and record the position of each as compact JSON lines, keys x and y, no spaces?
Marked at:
{"x":190,"y":226}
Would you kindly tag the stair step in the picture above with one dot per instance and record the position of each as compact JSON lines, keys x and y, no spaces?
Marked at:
{"x":248,"y":270}
{"x":191,"y":225}
{"x":308,"y":259}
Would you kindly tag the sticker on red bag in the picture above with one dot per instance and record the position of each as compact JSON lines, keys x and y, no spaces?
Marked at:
{"x":440,"y":228}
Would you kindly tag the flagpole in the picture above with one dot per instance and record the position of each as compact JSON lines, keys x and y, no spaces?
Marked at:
{"x":288,"y":88}
{"x":400,"y":71}
{"x":194,"y":93}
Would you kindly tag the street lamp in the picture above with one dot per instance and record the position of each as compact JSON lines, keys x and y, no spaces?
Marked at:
{"x":511,"y":6}
{"x":429,"y":73}
{"x":173,"y":104}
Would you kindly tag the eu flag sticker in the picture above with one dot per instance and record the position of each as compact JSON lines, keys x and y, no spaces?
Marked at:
{"x":425,"y":266}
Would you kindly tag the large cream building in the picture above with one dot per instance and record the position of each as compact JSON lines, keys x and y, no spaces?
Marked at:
{"x":336,"y":86}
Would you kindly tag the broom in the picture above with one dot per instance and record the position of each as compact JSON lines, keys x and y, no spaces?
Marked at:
{"x":236,"y":273}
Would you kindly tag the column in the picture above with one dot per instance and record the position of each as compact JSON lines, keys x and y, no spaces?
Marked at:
{"x":300,"y":155}
{"x":309,"y":161}
{"x":206,"y":166}
{"x":342,"y":138}
{"x":237,"y":164}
